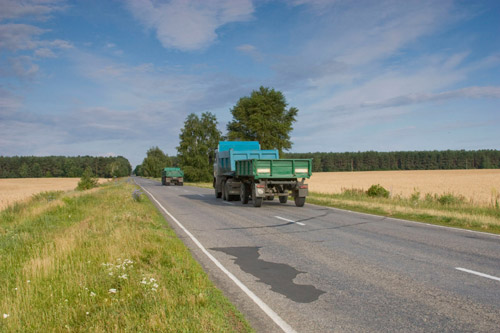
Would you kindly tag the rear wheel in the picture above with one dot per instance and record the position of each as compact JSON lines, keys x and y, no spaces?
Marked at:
{"x":218,"y":194}
{"x":224,"y":192}
{"x":270,"y":197}
{"x":283,"y":199}
{"x":257,"y":202}
{"x":243,"y":193}
{"x":300,"y":201}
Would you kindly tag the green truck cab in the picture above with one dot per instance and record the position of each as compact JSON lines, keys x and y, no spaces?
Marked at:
{"x":172,"y":176}
{"x":242,"y":171}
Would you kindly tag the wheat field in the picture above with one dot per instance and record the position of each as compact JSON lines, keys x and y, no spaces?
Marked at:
{"x":18,"y":189}
{"x":480,"y":187}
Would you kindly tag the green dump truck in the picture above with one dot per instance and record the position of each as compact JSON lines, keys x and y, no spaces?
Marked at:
{"x":172,"y":176}
{"x":242,"y":171}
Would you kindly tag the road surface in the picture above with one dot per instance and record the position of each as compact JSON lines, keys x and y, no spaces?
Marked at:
{"x":318,"y":269}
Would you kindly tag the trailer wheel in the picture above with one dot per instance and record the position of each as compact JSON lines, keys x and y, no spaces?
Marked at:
{"x":283,"y":199}
{"x":270,"y":197}
{"x":244,"y":193}
{"x":257,"y":202}
{"x":300,"y":201}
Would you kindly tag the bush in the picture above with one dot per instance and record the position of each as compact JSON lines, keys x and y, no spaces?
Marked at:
{"x":450,"y":199}
{"x":377,"y":191}
{"x":87,"y":181}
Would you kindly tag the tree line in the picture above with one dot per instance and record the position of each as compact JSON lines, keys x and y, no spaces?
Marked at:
{"x":63,"y":166}
{"x":402,"y":160}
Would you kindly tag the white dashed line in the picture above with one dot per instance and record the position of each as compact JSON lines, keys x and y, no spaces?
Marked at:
{"x":478,"y":273}
{"x":201,"y":195}
{"x":284,"y":219}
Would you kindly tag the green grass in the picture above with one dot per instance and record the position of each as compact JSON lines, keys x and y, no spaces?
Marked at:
{"x":102,"y":261}
{"x":447,"y":209}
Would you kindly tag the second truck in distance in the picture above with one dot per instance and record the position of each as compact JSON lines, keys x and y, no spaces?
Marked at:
{"x":172,"y":176}
{"x":242,"y":171}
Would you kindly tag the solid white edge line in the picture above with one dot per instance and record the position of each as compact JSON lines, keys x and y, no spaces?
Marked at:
{"x":284,"y":219}
{"x":267,"y":310}
{"x":478,"y":273}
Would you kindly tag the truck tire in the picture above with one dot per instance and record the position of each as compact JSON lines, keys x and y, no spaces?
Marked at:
{"x":283,"y":199}
{"x":218,"y":194}
{"x":300,"y":201}
{"x":257,"y":202}
{"x":270,"y":197}
{"x":244,"y":193}
{"x":224,"y":192}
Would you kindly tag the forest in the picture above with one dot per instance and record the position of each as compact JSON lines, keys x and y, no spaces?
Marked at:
{"x":62,"y":166}
{"x":402,"y":160}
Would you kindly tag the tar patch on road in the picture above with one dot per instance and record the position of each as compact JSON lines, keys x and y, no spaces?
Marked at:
{"x":278,"y":276}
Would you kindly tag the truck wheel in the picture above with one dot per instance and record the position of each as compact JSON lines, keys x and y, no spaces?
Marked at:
{"x":283,"y":199}
{"x":270,"y":197}
{"x":218,"y":194}
{"x":257,"y":202}
{"x":243,"y":193}
{"x":224,"y":193}
{"x":300,"y":201}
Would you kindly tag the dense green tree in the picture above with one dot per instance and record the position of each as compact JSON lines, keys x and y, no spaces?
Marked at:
{"x":154,"y":162}
{"x":263,"y":117}
{"x":198,"y":140}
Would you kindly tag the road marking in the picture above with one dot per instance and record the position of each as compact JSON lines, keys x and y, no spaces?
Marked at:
{"x":284,"y":219}
{"x":228,"y":203}
{"x":478,"y":273}
{"x":267,"y":310}
{"x":201,"y":195}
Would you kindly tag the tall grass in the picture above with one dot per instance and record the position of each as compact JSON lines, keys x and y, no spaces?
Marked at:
{"x":444,"y":209}
{"x":102,"y":261}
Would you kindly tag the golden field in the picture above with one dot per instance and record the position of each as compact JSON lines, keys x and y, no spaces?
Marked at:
{"x":18,"y":189}
{"x":480,"y":187}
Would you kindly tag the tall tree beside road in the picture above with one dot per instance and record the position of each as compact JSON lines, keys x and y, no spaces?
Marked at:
{"x":198,"y":140}
{"x":154,"y":162}
{"x":263,"y":117}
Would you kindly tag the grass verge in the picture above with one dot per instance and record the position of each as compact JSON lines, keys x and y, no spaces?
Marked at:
{"x":447,"y":210}
{"x":102,"y":261}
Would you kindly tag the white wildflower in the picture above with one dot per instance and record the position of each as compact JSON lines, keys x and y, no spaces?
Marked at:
{"x":92,"y":294}
{"x":28,"y":281}
{"x":112,"y":291}
{"x":87,"y":313}
{"x":155,"y":285}
{"x":5,"y":315}
{"x":143,"y":282}
{"x":153,"y":289}
{"x":110,"y":273}
{"x":152,"y":280}
{"x":123,"y":276}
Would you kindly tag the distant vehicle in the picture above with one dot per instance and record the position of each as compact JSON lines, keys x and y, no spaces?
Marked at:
{"x":172,"y":176}
{"x":242,"y":171}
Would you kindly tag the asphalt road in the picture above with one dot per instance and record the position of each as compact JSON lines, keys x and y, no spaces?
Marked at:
{"x":327,"y":270}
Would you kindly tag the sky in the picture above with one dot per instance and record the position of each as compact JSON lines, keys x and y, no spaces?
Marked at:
{"x":108,"y":78}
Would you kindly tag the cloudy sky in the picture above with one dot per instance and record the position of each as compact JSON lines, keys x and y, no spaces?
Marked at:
{"x":96,"y":77}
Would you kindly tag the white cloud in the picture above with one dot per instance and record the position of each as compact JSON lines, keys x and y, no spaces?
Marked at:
{"x":37,"y":9}
{"x":189,"y":24}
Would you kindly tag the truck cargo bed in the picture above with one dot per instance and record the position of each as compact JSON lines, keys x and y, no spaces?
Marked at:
{"x":274,"y":168}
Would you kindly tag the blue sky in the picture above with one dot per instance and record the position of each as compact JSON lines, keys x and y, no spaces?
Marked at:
{"x":107,"y":78}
